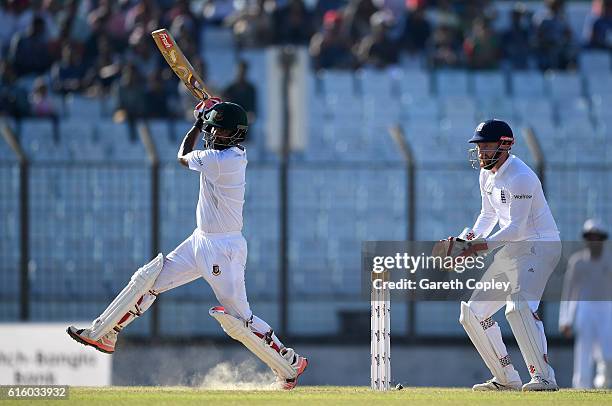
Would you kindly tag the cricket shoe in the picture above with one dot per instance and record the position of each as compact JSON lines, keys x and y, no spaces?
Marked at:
{"x":299,"y":363}
{"x":538,"y":384}
{"x":493,"y":385}
{"x":106,"y":344}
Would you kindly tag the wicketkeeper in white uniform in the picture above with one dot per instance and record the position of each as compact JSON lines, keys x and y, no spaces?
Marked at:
{"x":216,"y":250}
{"x":586,"y":311}
{"x":530,"y":249}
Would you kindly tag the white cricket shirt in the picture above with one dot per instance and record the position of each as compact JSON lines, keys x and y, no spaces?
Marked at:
{"x":513,"y":197}
{"x":222,"y":185}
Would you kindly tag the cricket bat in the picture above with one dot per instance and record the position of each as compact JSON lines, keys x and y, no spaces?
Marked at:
{"x":179,"y":64}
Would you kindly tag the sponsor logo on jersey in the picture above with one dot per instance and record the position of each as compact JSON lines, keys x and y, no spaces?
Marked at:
{"x":216,"y":271}
{"x":523,"y":196}
{"x":502,"y":196}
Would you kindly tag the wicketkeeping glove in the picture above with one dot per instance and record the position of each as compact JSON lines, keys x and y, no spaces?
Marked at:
{"x":456,"y":247}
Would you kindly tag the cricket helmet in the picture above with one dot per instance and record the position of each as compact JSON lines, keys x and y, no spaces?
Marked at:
{"x":491,"y":131}
{"x":229,"y":116}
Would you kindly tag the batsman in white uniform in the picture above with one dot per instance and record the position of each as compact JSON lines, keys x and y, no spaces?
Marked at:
{"x":216,"y":250}
{"x":529,"y":250}
{"x":586,"y":309}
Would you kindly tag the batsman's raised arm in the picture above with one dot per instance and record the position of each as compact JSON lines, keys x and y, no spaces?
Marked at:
{"x":191,"y":138}
{"x":188,"y":144}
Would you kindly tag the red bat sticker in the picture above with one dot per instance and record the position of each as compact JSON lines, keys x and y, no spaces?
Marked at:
{"x":165,"y":40}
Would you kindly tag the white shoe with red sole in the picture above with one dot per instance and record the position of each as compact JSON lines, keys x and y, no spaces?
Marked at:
{"x":106,"y":344}
{"x":302,"y":364}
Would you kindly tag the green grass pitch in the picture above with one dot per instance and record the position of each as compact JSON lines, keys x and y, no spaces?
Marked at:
{"x":328,"y":395}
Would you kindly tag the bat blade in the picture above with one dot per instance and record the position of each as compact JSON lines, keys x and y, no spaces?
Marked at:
{"x":179,"y":63}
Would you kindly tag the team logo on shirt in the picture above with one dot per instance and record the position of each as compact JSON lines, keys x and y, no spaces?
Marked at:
{"x":503,"y":196}
{"x":216,"y":271}
{"x":523,"y":196}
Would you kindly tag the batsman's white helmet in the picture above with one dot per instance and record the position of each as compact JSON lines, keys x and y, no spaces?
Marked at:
{"x":594,"y":226}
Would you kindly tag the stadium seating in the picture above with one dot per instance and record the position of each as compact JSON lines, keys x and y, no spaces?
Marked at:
{"x":39,"y":141}
{"x":595,"y":62}
{"x":463,"y":107}
{"x":563,"y":86}
{"x":489,"y":85}
{"x":415,"y":84}
{"x":528,"y":84}
{"x":379,"y":84}
{"x":91,"y":226}
{"x":83,"y":107}
{"x":451,"y":82}
{"x":9,"y":234}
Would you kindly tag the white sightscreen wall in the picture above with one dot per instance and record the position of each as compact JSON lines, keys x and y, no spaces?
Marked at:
{"x":43,"y":354}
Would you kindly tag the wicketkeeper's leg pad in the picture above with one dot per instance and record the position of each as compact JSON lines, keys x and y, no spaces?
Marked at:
{"x":486,"y":337}
{"x":240,"y":331}
{"x":529,"y":336}
{"x":128,"y":300}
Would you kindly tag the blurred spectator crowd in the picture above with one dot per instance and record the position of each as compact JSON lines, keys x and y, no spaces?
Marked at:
{"x":100,"y":48}
{"x":103,"y":47}
{"x":456,"y":34}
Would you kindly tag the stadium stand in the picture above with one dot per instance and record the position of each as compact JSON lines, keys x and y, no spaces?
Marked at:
{"x":90,"y":226}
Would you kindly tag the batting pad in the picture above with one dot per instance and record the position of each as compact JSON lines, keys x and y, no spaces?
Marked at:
{"x":484,"y":345}
{"x":140,"y":283}
{"x":528,"y":336}
{"x":237,"y":329}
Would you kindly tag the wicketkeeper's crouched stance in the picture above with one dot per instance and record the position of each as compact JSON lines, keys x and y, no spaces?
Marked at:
{"x":216,"y":250}
{"x":511,"y":195}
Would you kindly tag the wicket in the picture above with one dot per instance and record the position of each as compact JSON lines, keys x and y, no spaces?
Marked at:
{"x":380,"y":336}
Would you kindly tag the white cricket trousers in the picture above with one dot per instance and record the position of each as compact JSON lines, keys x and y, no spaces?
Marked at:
{"x":593,"y":339}
{"x":527,"y":266}
{"x":220,"y":259}
{"x":527,"y":272}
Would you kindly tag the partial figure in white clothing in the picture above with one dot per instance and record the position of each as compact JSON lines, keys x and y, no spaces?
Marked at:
{"x":215,"y":251}
{"x":586,"y":309}
{"x":528,"y":251}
